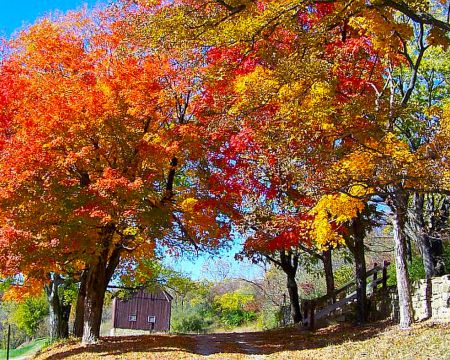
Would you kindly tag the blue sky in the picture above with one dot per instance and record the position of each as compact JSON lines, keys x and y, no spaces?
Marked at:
{"x":204,"y":265}
{"x":15,"y":14}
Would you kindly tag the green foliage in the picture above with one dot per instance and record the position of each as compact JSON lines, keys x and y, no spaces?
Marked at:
{"x":447,"y":259}
{"x":29,"y":314}
{"x":416,"y":270}
{"x":192,"y":310}
{"x":6,"y":283}
{"x":343,"y":275}
{"x":69,"y":293}
{"x":197,"y":313}
{"x":192,"y":323}
{"x":269,"y":317}
{"x":232,"y":308}
{"x":237,"y":317}
{"x":189,"y":318}
{"x":152,"y":274}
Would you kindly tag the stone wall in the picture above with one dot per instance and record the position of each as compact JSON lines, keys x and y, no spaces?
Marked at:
{"x":431,"y":299}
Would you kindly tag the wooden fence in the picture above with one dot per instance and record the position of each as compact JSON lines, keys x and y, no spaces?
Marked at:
{"x":321,"y":307}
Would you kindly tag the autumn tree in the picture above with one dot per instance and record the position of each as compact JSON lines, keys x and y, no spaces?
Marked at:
{"x":288,"y":101}
{"x":361,"y":131}
{"x":94,"y":148}
{"x":428,"y":212}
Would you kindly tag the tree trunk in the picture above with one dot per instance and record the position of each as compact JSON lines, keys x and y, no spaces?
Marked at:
{"x":355,"y":243}
{"x":294,"y":298}
{"x":403,"y":287}
{"x":409,"y":254}
{"x":437,"y":247}
{"x":58,"y":311}
{"x":97,"y":279}
{"x":416,"y":230}
{"x":328,"y":269}
{"x":360,"y":271}
{"x":96,"y":284}
{"x":79,"y":313}
{"x":289,"y":264}
{"x":428,"y":237}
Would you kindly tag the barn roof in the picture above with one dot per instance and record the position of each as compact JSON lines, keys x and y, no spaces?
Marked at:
{"x":157,"y":294}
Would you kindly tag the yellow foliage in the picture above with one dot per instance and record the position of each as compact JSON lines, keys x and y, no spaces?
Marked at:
{"x":259,"y":85}
{"x":360,"y":190}
{"x":445,"y":121}
{"x":30,"y":287}
{"x":358,"y":164}
{"x":104,"y":88}
{"x":291,"y":90}
{"x":382,"y":26}
{"x":233,"y":301}
{"x":188,"y":204}
{"x":334,"y":208}
{"x":396,"y":149}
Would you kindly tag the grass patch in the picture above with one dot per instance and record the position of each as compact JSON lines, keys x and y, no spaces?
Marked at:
{"x":27,"y":350}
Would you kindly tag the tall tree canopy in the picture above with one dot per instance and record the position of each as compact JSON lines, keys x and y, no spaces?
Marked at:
{"x":152,"y":122}
{"x":99,"y":161}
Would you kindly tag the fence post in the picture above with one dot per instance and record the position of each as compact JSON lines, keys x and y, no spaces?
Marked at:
{"x":8,"y":341}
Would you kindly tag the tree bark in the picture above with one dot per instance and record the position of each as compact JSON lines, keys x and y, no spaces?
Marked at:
{"x":439,"y":225}
{"x":93,"y":305}
{"x":360,"y":271}
{"x":428,"y":236}
{"x":416,"y":229}
{"x":97,"y":279}
{"x":294,"y":298}
{"x":289,"y":264}
{"x":79,"y":312}
{"x":399,"y":208}
{"x":355,"y":243}
{"x":328,"y":269}
{"x":59,"y":311}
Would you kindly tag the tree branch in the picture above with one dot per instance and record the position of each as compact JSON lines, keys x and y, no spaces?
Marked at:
{"x":416,"y":16}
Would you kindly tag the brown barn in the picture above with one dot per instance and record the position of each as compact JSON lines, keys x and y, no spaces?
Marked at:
{"x":143,"y":310}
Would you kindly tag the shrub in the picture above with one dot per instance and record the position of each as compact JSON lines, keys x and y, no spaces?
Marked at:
{"x":187,"y":319}
{"x":343,"y":275}
{"x":191,"y":323}
{"x":269,"y":317}
{"x":232,"y":308}
{"x":416,"y":270}
{"x":29,"y":314}
{"x":232,"y":318}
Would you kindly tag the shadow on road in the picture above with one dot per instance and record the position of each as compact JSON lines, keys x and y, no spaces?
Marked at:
{"x":250,"y":343}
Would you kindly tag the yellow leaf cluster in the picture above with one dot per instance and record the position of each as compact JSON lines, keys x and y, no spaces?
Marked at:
{"x":383,"y":28}
{"x":333,"y":208}
{"x":360,"y":190}
{"x":259,"y":85}
{"x":445,"y":121}
{"x":358,"y":164}
{"x":188,"y":204}
{"x":396,"y":149}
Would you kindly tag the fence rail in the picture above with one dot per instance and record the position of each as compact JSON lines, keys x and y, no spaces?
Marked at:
{"x":318,"y":308}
